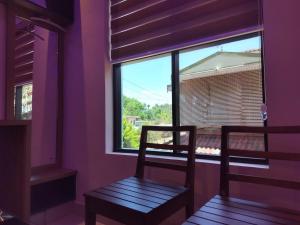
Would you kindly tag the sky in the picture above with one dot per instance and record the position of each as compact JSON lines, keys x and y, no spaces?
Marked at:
{"x":147,"y":80}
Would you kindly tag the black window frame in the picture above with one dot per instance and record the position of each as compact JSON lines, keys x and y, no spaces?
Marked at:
{"x":117,"y":102}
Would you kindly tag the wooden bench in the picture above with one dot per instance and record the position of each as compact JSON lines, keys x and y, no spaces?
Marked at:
{"x":139,"y":201}
{"x":223,"y":209}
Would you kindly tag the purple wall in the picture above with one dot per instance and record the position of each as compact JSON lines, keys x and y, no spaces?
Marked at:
{"x":44,"y":109}
{"x":88,"y":74}
{"x":2,"y":59}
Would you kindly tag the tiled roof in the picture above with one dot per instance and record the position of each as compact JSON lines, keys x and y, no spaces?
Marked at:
{"x":211,"y":143}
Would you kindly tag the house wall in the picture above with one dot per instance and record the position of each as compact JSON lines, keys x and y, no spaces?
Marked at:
{"x":230,"y":99}
{"x":2,"y":59}
{"x":88,"y":106}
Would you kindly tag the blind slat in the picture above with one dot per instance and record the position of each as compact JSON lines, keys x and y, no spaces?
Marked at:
{"x":155,"y":25}
{"x":24,"y":53}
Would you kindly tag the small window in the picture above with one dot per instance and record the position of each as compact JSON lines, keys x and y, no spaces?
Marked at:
{"x":23,"y":102}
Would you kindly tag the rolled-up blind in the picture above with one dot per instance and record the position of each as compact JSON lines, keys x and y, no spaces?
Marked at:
{"x":142,"y":28}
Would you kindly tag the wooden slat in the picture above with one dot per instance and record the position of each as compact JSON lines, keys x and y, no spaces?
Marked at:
{"x":135,"y":194}
{"x":128,"y":198}
{"x":120,"y":202}
{"x":260,"y":207}
{"x":44,"y":176}
{"x":246,"y":216}
{"x":166,"y":166}
{"x":219,"y":219}
{"x":270,"y":130}
{"x":141,"y":191}
{"x":264,"y":181}
{"x":257,"y":214}
{"x":143,"y":187}
{"x":169,"y":128}
{"x":264,"y":155}
{"x":147,"y":182}
{"x":202,"y":221}
{"x":167,"y":147}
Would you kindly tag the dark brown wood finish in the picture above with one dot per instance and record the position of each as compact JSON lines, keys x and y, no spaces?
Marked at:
{"x":223,"y":209}
{"x":136,"y":200}
{"x":15,"y":148}
{"x":226,"y":176}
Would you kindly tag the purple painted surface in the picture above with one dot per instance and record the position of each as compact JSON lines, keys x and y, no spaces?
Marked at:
{"x":44,"y":110}
{"x":87,"y":69}
{"x":2,"y":60}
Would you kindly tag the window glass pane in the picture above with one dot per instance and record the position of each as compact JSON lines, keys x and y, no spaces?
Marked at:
{"x":23,"y":102}
{"x":146,"y":98}
{"x":222,"y":85}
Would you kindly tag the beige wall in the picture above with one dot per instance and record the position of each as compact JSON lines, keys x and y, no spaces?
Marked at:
{"x":231,"y":99}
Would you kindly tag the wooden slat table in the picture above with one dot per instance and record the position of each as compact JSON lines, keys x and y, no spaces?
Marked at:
{"x":133,"y":196}
{"x":233,"y":211}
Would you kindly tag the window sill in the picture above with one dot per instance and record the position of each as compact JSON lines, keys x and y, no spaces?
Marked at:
{"x":204,"y":161}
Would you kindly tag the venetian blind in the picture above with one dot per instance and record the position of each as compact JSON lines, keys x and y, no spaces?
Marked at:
{"x":142,"y":28}
{"x":24,"y":49}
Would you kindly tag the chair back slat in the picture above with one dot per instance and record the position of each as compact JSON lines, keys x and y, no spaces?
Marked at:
{"x":168,"y":147}
{"x":265,"y":155}
{"x":226,"y":153}
{"x":166,"y":166}
{"x":188,"y":168}
{"x":264,"y":181}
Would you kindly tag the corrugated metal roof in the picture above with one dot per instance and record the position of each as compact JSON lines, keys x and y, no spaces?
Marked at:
{"x":222,"y":60}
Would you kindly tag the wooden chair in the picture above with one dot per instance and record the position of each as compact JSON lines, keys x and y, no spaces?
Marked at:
{"x":223,"y":209}
{"x":139,"y":201}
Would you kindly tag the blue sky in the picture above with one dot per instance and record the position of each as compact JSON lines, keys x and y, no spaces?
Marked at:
{"x":147,"y":80}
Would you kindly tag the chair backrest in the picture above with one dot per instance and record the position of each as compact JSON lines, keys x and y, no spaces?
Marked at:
{"x":189,"y":165}
{"x":226,"y":152}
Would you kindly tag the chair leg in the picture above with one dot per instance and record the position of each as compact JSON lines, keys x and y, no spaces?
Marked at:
{"x":189,"y":209}
{"x":90,"y":217}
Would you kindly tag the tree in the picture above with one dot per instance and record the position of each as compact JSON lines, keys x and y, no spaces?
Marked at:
{"x":133,"y":107}
{"x":131,"y":135}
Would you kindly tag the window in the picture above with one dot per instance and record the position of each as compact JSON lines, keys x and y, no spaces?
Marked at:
{"x":207,"y":86}
{"x":145,"y":98}
{"x":23,"y":102}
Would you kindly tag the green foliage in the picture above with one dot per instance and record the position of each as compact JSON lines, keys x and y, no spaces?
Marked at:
{"x":155,"y":115}
{"x":131,"y":135}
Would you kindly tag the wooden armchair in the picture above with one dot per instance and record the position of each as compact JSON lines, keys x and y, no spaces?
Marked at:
{"x":139,"y":201}
{"x":223,"y":209}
